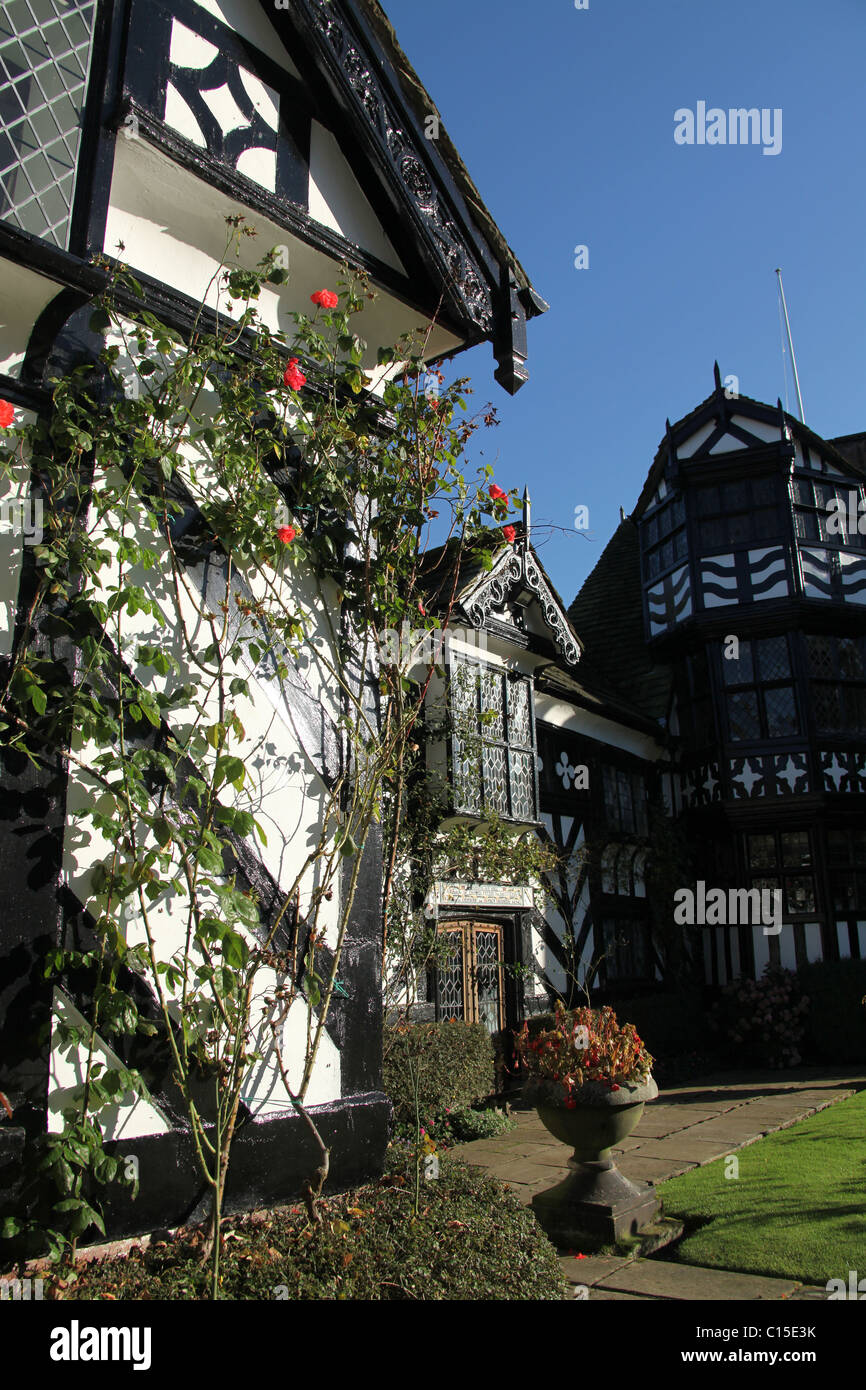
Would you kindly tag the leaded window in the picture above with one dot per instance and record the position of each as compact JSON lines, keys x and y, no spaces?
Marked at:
{"x":829,"y":512}
{"x":627,"y":951}
{"x":761,"y":701}
{"x":742,"y":510}
{"x":624,"y":800}
{"x":782,"y":860}
{"x":837,"y":668}
{"x":663,"y":534}
{"x":846,"y":855}
{"x":45,"y":52}
{"x":493,"y":742}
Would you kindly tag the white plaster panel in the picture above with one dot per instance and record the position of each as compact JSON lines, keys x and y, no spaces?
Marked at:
{"x":787,"y":948}
{"x":336,"y":199}
{"x":813,"y":941}
{"x":130,"y":1118}
{"x":250,"y":21}
{"x":172,"y":225}
{"x":694,"y":442}
{"x":23,"y":296}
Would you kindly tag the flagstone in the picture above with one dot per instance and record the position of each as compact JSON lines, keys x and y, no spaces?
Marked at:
{"x":663,"y":1279}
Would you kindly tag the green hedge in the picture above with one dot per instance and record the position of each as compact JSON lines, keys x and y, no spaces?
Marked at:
{"x":836,"y":1021}
{"x":454,"y":1063}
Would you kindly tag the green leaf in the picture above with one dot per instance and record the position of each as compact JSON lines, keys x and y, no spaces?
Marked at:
{"x":38,"y":698}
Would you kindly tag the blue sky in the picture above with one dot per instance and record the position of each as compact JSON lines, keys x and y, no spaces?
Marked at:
{"x":565,"y":119}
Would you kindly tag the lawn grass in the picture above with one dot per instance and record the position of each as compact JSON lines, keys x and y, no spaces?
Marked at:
{"x":797,"y":1209}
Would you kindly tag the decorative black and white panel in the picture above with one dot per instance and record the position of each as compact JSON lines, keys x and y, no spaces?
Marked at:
{"x":843,"y":771}
{"x":669,"y":601}
{"x":193,"y":77}
{"x":785,"y":774}
{"x":45,"y":54}
{"x":745,"y":577}
{"x":833,"y":574}
{"x":700,"y":786}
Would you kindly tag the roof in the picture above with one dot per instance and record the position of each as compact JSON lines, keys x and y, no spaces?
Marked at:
{"x":846,"y":451}
{"x":476,"y":586}
{"x":423,"y":106}
{"x":608,"y":614}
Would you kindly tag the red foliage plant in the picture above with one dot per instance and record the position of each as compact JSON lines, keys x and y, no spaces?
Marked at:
{"x":583,"y":1047}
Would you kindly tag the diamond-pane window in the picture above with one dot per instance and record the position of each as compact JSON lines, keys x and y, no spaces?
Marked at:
{"x":45,"y":51}
{"x":493,"y":743}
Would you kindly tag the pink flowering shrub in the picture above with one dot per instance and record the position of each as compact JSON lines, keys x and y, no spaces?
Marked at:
{"x":763,"y":1021}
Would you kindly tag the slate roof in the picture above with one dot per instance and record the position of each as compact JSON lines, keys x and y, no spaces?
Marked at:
{"x":608,"y":616}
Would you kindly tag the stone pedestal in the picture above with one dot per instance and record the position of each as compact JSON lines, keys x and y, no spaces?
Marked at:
{"x":597,"y":1201}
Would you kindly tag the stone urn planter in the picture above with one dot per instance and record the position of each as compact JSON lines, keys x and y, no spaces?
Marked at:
{"x":595,"y":1200}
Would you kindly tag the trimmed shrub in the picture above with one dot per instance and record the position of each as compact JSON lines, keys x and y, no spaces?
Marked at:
{"x":466,"y":1125}
{"x":836,"y":1022}
{"x":473,"y":1240}
{"x":454,"y":1065}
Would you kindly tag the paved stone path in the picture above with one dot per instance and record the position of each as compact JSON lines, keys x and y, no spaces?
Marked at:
{"x":685,"y":1128}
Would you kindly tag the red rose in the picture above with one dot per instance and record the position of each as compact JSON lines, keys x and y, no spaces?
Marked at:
{"x":326,"y":299}
{"x":7,"y":414}
{"x":286,"y":534}
{"x":496,"y":492}
{"x":509,"y":533}
{"x":294,"y":378}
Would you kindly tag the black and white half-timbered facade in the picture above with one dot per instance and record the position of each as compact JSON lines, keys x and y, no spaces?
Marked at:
{"x":708,"y":683}
{"x":731,"y":606}
{"x":133,"y":129}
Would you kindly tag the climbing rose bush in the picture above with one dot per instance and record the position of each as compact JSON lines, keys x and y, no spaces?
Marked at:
{"x":586,"y":1048}
{"x":763,"y":1020}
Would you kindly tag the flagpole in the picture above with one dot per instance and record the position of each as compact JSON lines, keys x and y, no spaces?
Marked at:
{"x":791,"y":347}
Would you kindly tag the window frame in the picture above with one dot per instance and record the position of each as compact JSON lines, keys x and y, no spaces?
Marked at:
{"x":504,"y":743}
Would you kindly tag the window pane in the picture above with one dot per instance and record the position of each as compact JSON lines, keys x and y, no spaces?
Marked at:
{"x":762,"y":852}
{"x":800,"y":894}
{"x":522,"y":786}
{"x":743,"y":715}
{"x":826,"y":704}
{"x":838,"y":847}
{"x":495,"y":780}
{"x":519,"y":725}
{"x":807,"y":525}
{"x":803,"y":491}
{"x":773,"y":661}
{"x":850,"y":658}
{"x":770,"y":884}
{"x":739,"y":671}
{"x":820,"y":655}
{"x":796,"y":852}
{"x":681,"y":545}
{"x":781,"y":711}
{"x":651,"y":531}
{"x":626,"y":804}
{"x":844,"y":890}
{"x":492,"y":717}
